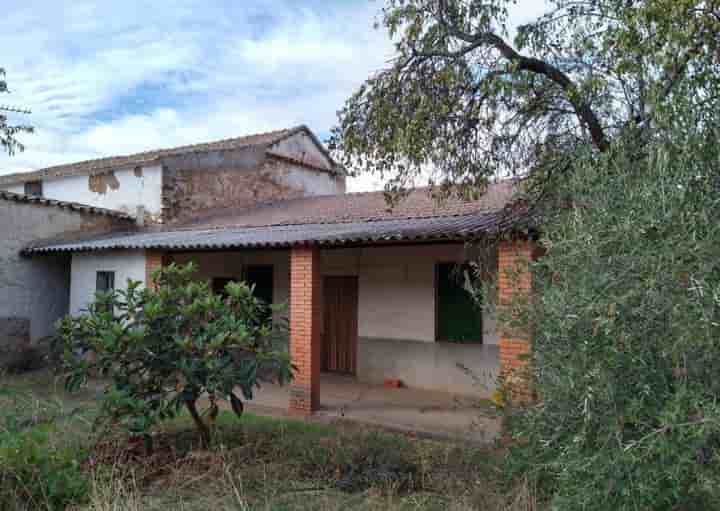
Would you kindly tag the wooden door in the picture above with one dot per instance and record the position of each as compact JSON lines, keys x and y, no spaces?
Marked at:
{"x":340,"y":318}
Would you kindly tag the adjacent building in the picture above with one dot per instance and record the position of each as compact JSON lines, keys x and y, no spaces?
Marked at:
{"x":374,"y":292}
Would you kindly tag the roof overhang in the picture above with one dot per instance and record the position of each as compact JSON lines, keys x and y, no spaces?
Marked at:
{"x":433,"y":229}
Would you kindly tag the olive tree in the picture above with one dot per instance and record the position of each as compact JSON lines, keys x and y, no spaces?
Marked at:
{"x":626,"y":331}
{"x":469,"y":96}
{"x":166,"y":346}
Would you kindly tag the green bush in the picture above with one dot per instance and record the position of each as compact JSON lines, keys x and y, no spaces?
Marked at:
{"x":626,"y":322}
{"x":35,"y":474}
{"x":39,"y":469}
{"x":166,"y":346}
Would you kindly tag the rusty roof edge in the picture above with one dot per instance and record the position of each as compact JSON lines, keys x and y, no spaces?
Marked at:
{"x":75,"y":206}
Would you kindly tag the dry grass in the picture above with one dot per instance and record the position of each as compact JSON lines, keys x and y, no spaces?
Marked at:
{"x":260,"y":463}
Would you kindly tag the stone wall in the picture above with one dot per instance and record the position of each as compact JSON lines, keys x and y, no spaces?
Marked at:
{"x":34,"y":291}
{"x":202,"y":182}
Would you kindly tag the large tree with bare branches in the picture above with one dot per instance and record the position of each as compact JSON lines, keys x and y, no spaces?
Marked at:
{"x":466,"y":99}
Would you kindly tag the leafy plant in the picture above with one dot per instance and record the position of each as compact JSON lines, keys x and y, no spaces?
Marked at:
{"x":626,"y":323}
{"x":166,"y":346}
{"x":38,"y":469}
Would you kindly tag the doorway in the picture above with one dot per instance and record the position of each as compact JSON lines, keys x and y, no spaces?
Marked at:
{"x":340,"y":318}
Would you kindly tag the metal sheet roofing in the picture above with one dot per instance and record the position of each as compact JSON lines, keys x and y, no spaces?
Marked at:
{"x":459,"y":227}
{"x":74,"y":206}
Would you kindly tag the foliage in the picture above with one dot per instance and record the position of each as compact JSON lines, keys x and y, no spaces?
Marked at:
{"x":168,"y":345}
{"x":463,"y":101}
{"x":8,"y":131}
{"x":626,"y":322}
{"x":36,"y":472}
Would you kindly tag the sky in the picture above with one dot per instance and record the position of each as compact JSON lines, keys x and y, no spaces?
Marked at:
{"x":108,"y":78}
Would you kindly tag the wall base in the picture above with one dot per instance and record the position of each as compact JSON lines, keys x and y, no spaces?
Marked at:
{"x":430,"y":365}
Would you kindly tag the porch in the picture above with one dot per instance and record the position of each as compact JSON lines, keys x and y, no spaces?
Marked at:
{"x":420,"y":412}
{"x":367,"y":314}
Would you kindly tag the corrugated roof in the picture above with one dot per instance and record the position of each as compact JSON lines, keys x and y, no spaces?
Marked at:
{"x":460,"y":227}
{"x":103,"y":164}
{"x":75,"y":206}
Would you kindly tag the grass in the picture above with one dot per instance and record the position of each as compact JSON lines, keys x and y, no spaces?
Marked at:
{"x":261,"y":463}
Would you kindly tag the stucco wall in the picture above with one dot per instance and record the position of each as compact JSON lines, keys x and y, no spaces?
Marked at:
{"x":301,"y":147}
{"x":121,"y":190}
{"x":14,"y":188}
{"x":125,"y":264}
{"x":36,"y":289}
{"x":408,"y":312}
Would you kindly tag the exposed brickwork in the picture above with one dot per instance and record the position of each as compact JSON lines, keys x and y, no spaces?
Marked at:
{"x":154,"y":260}
{"x":305,"y":324}
{"x":515,"y":284}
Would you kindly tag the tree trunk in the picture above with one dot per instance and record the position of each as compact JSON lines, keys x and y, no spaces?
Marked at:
{"x":201,"y":426}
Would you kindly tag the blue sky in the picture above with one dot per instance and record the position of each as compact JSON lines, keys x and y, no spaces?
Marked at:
{"x":108,"y":77}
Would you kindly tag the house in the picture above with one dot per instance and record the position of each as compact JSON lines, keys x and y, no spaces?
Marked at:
{"x":37,"y":288}
{"x":374,"y":292}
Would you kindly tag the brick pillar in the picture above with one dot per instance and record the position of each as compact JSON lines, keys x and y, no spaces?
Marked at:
{"x":305,"y":321}
{"x":154,"y":260}
{"x":514,"y":282}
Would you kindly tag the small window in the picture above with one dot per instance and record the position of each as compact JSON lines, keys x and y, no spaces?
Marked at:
{"x":34,"y":188}
{"x":262,"y":277}
{"x":105,"y":281}
{"x":458,"y":316}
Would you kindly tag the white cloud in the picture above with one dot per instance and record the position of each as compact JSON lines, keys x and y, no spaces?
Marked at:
{"x":213,"y":69}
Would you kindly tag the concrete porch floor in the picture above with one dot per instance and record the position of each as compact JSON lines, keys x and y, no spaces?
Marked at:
{"x":422,"y":412}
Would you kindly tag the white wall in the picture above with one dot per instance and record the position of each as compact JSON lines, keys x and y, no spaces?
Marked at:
{"x":133,"y":191}
{"x":15,"y":188}
{"x":312,"y":182}
{"x":396,"y":284}
{"x":397,"y":289}
{"x":126,"y":265}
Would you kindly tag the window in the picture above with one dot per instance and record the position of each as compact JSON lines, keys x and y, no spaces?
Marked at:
{"x":262,"y":277}
{"x":33,"y":188}
{"x":458,"y":318}
{"x":105,"y":281}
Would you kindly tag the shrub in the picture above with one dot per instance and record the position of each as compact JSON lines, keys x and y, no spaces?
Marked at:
{"x":37,"y":470}
{"x":166,"y":346}
{"x":626,"y":322}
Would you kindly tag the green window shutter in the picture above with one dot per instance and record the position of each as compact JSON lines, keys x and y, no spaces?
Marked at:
{"x":459,"y":319}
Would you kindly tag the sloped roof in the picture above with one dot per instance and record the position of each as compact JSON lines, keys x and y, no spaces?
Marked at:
{"x":452,"y":228}
{"x":355,"y":207}
{"x":74,"y":206}
{"x":328,"y":220}
{"x":103,"y":164}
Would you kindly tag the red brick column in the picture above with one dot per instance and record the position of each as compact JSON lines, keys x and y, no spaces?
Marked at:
{"x":305,"y":322}
{"x":154,"y":260}
{"x":515,"y":283}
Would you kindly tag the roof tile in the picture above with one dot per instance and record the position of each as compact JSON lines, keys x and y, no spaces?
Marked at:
{"x":146,"y":157}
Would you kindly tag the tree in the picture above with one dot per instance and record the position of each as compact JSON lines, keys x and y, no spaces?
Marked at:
{"x":626,"y":331}
{"x":9,"y":132}
{"x":464,"y":100}
{"x":166,"y":346}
